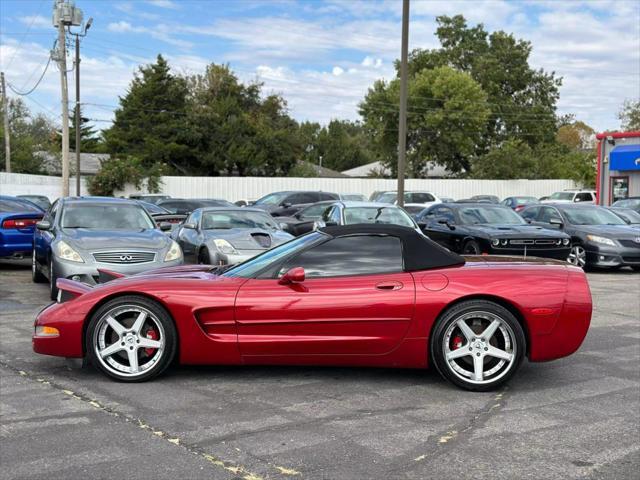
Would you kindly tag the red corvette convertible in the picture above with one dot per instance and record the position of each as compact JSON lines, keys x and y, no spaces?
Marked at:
{"x":360,"y":295}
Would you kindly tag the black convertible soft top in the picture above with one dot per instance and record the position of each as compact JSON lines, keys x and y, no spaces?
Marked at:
{"x":420,"y":253}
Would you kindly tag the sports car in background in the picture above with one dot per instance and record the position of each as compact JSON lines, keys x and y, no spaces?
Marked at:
{"x":632,"y":202}
{"x":303,"y":220}
{"x":225,"y":236}
{"x":17,"y":223}
{"x":599,"y":238}
{"x":518,"y":203}
{"x":630,"y":217}
{"x":484,"y":228}
{"x":281,"y":204}
{"x":79,"y":235}
{"x":184,"y":206}
{"x":162,"y":215}
{"x":360,"y":295}
{"x":351,"y":213}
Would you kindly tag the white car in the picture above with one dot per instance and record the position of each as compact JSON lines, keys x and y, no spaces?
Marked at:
{"x":570,"y":196}
{"x":410,"y":198}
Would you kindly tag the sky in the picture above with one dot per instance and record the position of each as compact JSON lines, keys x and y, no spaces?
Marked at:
{"x":321,"y":56}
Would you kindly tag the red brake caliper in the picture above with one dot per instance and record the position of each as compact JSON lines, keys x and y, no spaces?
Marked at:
{"x":457,"y":342}
{"x":151,"y":335}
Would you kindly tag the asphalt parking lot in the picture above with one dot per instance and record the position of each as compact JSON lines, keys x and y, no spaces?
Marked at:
{"x":577,"y":417}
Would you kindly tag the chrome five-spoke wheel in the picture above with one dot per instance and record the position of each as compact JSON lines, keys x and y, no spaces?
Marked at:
{"x":478,"y":345}
{"x":577,"y":256}
{"x":131,"y":340}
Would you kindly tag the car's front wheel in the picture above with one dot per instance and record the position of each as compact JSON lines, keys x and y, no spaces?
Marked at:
{"x":477,"y":345}
{"x":471,"y":247}
{"x":578,"y":256}
{"x":131,"y":339}
{"x":36,"y":274}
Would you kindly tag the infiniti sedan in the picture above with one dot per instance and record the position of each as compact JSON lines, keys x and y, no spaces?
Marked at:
{"x":78,"y":236}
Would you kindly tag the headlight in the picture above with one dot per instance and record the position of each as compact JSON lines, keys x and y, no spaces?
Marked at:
{"x":504,"y":241}
{"x":495,"y":242}
{"x":65,"y":252}
{"x":174,"y":252}
{"x":565,"y":241}
{"x":559,"y":241}
{"x":601,"y":240}
{"x":225,"y":247}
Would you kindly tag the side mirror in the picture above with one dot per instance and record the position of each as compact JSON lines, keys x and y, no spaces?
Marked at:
{"x":444,"y":221}
{"x":422,"y":225}
{"x":295,"y":275}
{"x":190,"y":226}
{"x":240,"y":203}
{"x":285,"y":205}
{"x":556,"y":222}
{"x":164,"y":226}
{"x":43,"y":225}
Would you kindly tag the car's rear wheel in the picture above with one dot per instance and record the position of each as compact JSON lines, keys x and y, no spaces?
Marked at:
{"x":131,"y":339}
{"x":53,"y":289}
{"x":578,"y":256}
{"x":471,"y":247}
{"x":36,"y":274}
{"x":478,"y":345}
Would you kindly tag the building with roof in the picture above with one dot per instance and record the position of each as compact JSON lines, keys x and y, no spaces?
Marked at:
{"x":618,"y":166}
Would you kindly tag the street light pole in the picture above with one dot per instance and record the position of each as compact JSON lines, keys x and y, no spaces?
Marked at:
{"x":402,"y":127}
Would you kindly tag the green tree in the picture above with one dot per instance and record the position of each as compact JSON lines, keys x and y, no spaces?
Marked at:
{"x":233,"y":130}
{"x":522,"y":100}
{"x":629,"y":115}
{"x":342,"y":144}
{"x":115,"y":173}
{"x":89,"y":139}
{"x":150,"y":123}
{"x":28,"y":134}
{"x":447,"y":115}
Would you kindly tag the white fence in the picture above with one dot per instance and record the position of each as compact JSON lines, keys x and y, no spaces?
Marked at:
{"x":252,"y":188}
{"x":22,"y":184}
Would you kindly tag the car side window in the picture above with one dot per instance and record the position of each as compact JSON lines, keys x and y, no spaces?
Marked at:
{"x":548,"y":214}
{"x":322,"y":196}
{"x":52,"y":212}
{"x":444,"y":213}
{"x":312,"y":212}
{"x":530,"y":213}
{"x":420,"y":198}
{"x":584,"y":197}
{"x":335,"y":215}
{"x":355,"y":255}
{"x":298,"y":198}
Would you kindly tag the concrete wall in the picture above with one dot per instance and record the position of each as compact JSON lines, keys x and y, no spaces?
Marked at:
{"x":252,"y":188}
{"x":22,"y":184}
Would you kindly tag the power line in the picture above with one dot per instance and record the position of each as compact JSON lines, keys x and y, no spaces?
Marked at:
{"x":37,"y":83}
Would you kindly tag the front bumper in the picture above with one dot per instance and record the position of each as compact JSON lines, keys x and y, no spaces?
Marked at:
{"x":558,"y":253}
{"x":69,"y":341}
{"x":611,"y":257}
{"x":88,"y":272}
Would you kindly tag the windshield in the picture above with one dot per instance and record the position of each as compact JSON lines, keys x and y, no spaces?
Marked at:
{"x":627,"y":203}
{"x":592,"y":216}
{"x":240,"y":219}
{"x":152,"y":208}
{"x":628,"y":215}
{"x":390,"y":215}
{"x":254,"y":265}
{"x":105,"y":217}
{"x":17,"y":206}
{"x":490,"y":215}
{"x":272,"y":199}
{"x":561,"y":196}
{"x":314,"y":211}
{"x":387,"y":197}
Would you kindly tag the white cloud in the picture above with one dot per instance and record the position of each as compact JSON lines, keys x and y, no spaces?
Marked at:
{"x":337,"y":71}
{"x":160,"y":32}
{"x":163,"y":4}
{"x":36,"y":21}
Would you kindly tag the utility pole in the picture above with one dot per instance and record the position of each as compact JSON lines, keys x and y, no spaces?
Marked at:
{"x":7,"y":136}
{"x":62,"y":62}
{"x":77,"y":110}
{"x":64,"y":14}
{"x":402,"y":126}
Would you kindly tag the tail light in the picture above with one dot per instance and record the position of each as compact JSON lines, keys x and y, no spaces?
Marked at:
{"x":19,"y":223}
{"x":518,"y":208}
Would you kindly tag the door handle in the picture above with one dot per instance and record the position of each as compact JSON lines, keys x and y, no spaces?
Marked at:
{"x":389,"y":286}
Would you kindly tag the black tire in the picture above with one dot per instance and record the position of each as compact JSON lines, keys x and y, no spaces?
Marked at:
{"x":168,"y":329}
{"x":636,"y":268}
{"x":471,"y":247}
{"x":36,"y":274}
{"x":203,"y":256}
{"x":509,"y":325}
{"x":53,"y":289}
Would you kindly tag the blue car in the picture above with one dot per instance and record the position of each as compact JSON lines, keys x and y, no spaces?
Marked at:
{"x":17,"y":223}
